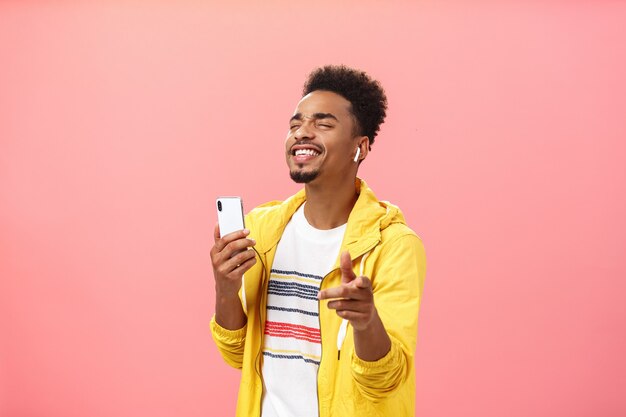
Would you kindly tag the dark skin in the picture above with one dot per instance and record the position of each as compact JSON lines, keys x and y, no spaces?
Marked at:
{"x":320,"y":143}
{"x":228,"y":273}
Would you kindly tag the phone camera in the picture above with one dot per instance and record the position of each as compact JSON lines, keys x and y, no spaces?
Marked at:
{"x":219,"y":205}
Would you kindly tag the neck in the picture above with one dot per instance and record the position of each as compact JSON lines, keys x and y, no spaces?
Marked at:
{"x":329,"y":207}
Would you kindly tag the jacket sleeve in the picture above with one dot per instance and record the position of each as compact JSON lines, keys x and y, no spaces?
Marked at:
{"x":397,"y":282}
{"x":230,"y":343}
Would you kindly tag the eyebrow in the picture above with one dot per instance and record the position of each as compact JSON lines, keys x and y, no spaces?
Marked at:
{"x":315,"y":116}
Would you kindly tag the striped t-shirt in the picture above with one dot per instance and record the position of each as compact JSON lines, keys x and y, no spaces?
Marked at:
{"x":291,"y":344}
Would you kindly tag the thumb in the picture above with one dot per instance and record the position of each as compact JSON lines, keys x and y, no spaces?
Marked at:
{"x":345,"y":263}
{"x":216,"y":232}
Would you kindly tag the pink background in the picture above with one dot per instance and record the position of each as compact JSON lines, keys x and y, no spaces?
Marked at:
{"x":505,"y":146}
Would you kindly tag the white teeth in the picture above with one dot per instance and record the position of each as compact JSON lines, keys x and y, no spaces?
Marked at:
{"x":309,"y":152}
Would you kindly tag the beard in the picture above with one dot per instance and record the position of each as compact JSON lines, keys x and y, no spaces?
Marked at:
{"x":303,"y":177}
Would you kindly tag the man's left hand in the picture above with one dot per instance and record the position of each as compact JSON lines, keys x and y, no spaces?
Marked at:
{"x":353,"y":299}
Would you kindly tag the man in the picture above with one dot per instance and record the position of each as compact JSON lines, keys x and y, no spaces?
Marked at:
{"x":326,"y":323}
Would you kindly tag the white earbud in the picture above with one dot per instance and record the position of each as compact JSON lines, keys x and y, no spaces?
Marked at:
{"x":358,"y":153}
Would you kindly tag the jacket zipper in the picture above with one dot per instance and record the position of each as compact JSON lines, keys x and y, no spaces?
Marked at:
{"x":317,"y":373}
{"x":262,"y":329}
{"x":319,"y":320}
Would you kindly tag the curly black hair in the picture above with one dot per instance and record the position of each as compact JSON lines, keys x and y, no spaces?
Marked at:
{"x":369,"y":103}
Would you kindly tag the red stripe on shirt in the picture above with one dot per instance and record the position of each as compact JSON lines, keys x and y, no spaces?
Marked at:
{"x":279,"y":329}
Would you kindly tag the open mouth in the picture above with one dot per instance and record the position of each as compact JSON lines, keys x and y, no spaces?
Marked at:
{"x":304,"y":152}
{"x":307,"y":152}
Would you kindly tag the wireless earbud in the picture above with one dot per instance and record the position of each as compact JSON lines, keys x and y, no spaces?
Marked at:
{"x":358,"y":153}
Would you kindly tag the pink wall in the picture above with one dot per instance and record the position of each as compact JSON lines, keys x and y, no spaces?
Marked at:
{"x":504,"y":145}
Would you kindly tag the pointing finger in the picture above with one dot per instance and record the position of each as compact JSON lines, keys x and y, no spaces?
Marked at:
{"x":346,"y":292}
{"x":330,"y":293}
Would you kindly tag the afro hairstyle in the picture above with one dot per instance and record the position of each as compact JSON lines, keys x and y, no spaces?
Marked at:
{"x":369,"y":103}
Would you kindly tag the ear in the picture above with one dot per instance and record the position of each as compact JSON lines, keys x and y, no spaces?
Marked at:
{"x":364,"y":145}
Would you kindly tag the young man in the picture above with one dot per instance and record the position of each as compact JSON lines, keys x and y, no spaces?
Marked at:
{"x":325,"y":322}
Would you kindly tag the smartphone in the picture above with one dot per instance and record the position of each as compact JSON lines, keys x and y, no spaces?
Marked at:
{"x":229,"y":214}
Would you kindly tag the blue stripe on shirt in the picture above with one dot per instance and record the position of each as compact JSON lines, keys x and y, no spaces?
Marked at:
{"x":275,"y":356}
{"x":296,"y":286}
{"x":299,"y":274}
{"x":293,"y":310}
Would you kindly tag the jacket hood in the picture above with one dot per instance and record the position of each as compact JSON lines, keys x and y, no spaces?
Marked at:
{"x":365,"y":223}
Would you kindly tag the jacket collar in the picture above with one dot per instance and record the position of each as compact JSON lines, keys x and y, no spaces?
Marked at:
{"x":367,"y":218}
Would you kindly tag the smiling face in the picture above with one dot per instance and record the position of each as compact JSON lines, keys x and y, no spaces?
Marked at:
{"x":321,"y":142}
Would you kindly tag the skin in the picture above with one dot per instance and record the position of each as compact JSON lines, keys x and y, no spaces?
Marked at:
{"x":228,"y":269}
{"x":322,"y":121}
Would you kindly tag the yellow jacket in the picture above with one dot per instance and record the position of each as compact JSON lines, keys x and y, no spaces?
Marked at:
{"x":383,"y":248}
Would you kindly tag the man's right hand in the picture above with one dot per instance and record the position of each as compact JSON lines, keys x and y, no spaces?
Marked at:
{"x":231,"y":257}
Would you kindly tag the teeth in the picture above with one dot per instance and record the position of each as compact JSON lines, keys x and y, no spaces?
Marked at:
{"x":309,"y":152}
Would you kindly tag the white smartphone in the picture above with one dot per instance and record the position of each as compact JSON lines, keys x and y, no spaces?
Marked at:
{"x":229,"y":214}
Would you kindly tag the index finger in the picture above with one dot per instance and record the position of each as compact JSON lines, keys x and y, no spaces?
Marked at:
{"x":221,"y":243}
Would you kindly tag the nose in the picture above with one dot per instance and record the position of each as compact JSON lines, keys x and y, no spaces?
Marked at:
{"x":304,"y":131}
